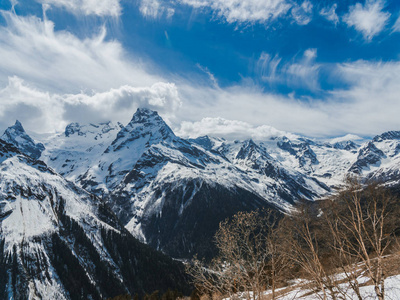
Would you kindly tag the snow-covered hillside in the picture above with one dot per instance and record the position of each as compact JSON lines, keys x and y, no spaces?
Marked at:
{"x":57,"y":241}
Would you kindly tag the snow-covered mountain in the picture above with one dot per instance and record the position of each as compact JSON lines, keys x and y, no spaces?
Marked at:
{"x":172,"y":193}
{"x":379,"y":159}
{"x":17,"y":136}
{"x":75,"y":150}
{"x":57,"y":241}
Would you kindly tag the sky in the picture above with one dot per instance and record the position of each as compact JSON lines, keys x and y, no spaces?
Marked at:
{"x":230,"y":68}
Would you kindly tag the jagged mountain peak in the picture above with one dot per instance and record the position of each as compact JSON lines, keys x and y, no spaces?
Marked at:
{"x":18,"y":126}
{"x":145,"y":118}
{"x":346,"y":145}
{"x":249,"y":148}
{"x":17,"y":136}
{"x":143,"y":115}
{"x":389,"y":135}
{"x":146,"y":126}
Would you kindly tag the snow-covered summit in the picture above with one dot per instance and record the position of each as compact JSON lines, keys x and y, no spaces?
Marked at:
{"x":145,"y":125}
{"x":389,"y":135}
{"x":94,"y":130}
{"x":379,"y":159}
{"x":17,"y":136}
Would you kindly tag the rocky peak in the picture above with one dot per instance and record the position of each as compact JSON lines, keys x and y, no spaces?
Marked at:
{"x":72,"y":128}
{"x":248,"y":149}
{"x":145,"y":125}
{"x":17,"y":136}
{"x":389,"y":135}
{"x":18,"y":126}
{"x":145,"y":115}
{"x":148,"y":119}
{"x":367,"y":155}
{"x":346,"y":145}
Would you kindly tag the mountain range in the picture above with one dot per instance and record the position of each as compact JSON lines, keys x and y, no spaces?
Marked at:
{"x":94,"y":189}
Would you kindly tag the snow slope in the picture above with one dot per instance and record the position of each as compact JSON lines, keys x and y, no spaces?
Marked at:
{"x":57,"y":241}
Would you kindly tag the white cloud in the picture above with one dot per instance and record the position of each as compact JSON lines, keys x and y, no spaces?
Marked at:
{"x":35,"y":108}
{"x":302,"y":14}
{"x":59,"y":61}
{"x":229,"y":129}
{"x":369,"y":106}
{"x":300,"y":72}
{"x":119,"y":104}
{"x":244,"y":11}
{"x":396,"y":26}
{"x":155,"y":9}
{"x":45,"y":112}
{"x":369,"y":19}
{"x":88,"y":7}
{"x":330,"y":14}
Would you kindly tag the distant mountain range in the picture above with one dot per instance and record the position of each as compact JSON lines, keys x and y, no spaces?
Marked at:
{"x":92,"y":186}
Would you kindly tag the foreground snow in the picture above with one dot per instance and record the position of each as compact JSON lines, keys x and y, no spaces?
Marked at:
{"x":392,"y":290}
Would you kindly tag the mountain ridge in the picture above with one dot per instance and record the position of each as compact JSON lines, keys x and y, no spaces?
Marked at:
{"x":152,"y":179}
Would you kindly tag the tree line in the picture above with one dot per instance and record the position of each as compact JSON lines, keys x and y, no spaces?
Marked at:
{"x":336,"y":244}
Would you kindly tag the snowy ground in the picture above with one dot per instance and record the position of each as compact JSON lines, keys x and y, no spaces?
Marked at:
{"x":392,"y":290}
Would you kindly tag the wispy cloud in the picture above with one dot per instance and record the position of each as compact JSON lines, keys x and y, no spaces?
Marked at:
{"x":88,"y":7}
{"x":32,"y":49}
{"x":368,"y":106}
{"x":369,"y":19}
{"x":210,"y":75}
{"x":300,"y":72}
{"x":330,"y":13}
{"x":249,"y":11}
{"x":154,"y":9}
{"x":396,"y":26}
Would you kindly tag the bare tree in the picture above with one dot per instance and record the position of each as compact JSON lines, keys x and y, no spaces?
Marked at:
{"x":300,"y":231}
{"x":333,"y":243}
{"x":279,"y":261}
{"x":362,"y":221}
{"x":248,"y":260}
{"x":340,"y":259}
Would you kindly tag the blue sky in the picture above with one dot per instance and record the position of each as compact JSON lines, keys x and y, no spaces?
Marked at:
{"x":223,"y":67}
